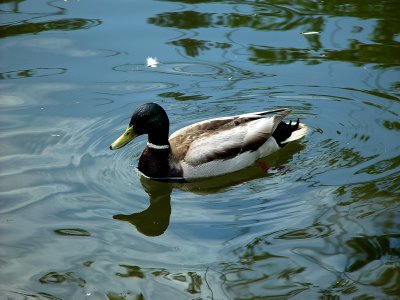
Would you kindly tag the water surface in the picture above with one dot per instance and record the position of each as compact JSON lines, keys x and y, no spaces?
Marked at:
{"x":318,"y":219}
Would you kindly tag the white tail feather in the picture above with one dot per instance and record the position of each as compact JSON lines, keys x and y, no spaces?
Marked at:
{"x":298,"y":134}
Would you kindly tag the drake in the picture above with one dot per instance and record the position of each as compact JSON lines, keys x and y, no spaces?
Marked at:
{"x":208,"y":148}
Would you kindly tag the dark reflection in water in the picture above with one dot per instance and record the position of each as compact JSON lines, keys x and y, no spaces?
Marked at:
{"x":155,"y":219}
{"x":284,"y":16}
{"x":72,"y":232}
{"x":38,"y":72}
{"x":37,"y":27}
{"x":183,"y":97}
{"x":314,"y":231}
{"x":54,"y":277}
{"x":373,"y":258}
{"x":386,"y":187}
{"x":193,"y":47}
{"x":366,"y":249}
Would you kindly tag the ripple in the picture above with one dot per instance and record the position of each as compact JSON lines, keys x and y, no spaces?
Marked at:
{"x":37,"y":72}
{"x":348,"y":134}
{"x":193,"y":69}
{"x":37,"y":27}
{"x":18,"y":95}
{"x":196,"y":69}
{"x":125,"y":88}
{"x":314,"y":231}
{"x":263,"y":17}
{"x":72,"y":232}
{"x":24,"y":14}
{"x":210,"y":70}
{"x":76,"y":156}
{"x":129,"y":68}
{"x":57,"y":278}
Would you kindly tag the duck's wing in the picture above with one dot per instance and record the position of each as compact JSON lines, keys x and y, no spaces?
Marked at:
{"x":224,"y":138}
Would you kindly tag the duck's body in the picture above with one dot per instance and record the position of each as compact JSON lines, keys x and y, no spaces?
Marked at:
{"x":208,"y":148}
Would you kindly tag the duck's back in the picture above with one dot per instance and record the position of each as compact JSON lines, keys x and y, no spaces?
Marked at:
{"x":223,"y":145}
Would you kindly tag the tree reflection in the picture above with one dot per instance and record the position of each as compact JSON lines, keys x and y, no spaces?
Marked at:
{"x":64,"y":24}
{"x":366,"y":249}
{"x":32,"y":26}
{"x":192,"y":46}
{"x":382,"y":49}
{"x":368,"y":261}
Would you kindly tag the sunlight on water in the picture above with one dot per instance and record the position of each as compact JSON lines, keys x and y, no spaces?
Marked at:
{"x":317,"y":219}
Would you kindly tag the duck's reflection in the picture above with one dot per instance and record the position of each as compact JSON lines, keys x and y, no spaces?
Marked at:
{"x":154,"y":220}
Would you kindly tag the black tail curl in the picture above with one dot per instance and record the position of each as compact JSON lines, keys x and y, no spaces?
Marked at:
{"x":283,"y":131}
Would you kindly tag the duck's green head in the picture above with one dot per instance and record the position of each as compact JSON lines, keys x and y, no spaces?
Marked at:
{"x":149,"y":118}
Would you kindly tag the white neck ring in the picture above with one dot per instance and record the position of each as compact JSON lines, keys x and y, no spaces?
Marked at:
{"x":153,"y":146}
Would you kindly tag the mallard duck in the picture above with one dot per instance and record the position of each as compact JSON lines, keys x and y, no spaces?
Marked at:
{"x":208,"y":148}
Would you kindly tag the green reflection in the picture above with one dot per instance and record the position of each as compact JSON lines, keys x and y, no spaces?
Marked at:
{"x":131,"y":271}
{"x":383,"y":49}
{"x":182,"y":20}
{"x":360,"y":53}
{"x":366,"y":249}
{"x":192,"y":281}
{"x":32,"y":28}
{"x":382,"y":166}
{"x":125,"y":295}
{"x":193,"y":47}
{"x":387,"y":188}
{"x":392,"y":125}
{"x":57,"y":278}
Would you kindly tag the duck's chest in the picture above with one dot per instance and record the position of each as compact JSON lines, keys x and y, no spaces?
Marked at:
{"x":157,"y":163}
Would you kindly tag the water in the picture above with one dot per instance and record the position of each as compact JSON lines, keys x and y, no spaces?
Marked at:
{"x":318,"y":219}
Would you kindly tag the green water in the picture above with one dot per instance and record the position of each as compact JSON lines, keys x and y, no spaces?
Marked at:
{"x":319,"y":219}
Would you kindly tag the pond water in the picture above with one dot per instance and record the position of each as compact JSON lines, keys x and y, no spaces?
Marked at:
{"x":318,"y":219}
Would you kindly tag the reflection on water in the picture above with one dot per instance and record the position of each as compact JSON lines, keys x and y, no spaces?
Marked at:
{"x":66,"y":24}
{"x":197,"y":69}
{"x":318,"y":219}
{"x":285,"y":16}
{"x":38,"y":72}
{"x":154,"y":220}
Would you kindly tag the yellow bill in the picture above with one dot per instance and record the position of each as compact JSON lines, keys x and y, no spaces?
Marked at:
{"x":128,"y":135}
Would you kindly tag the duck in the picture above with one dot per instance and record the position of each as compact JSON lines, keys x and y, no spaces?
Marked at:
{"x":208,"y":148}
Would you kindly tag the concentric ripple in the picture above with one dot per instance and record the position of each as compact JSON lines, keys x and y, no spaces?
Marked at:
{"x":195,"y":69}
{"x":37,"y":72}
{"x":123,"y":88}
{"x":78,"y":155}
